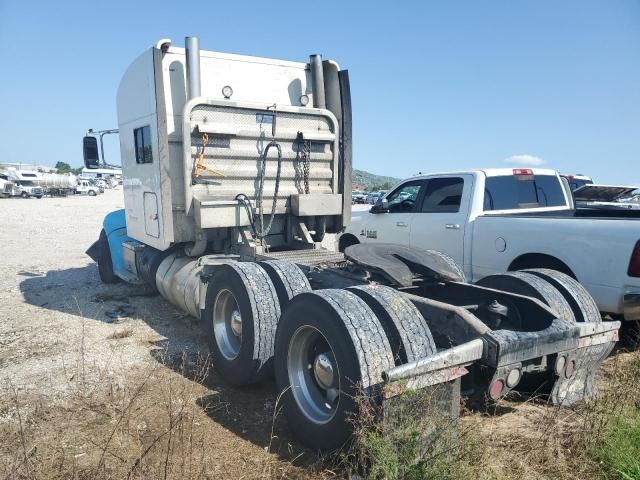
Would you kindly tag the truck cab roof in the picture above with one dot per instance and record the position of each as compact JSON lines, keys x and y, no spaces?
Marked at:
{"x":489,"y":172}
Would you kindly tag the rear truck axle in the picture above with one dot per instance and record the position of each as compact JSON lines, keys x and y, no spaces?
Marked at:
{"x":401,"y":350}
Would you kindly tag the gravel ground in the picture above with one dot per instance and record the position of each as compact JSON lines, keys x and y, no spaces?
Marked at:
{"x":63,"y":357}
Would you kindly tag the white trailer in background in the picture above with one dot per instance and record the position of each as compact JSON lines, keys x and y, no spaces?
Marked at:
{"x":234,"y":169}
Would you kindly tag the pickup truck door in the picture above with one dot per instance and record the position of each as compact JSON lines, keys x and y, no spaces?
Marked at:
{"x":394,"y":224}
{"x":440,"y":220}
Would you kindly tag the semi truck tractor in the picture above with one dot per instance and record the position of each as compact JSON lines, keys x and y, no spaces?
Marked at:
{"x":235,"y":168}
{"x":6,"y":188}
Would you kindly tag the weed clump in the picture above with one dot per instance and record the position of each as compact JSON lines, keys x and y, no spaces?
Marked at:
{"x":415,"y":435}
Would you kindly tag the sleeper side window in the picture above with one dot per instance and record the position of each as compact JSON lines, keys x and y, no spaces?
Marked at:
{"x":142,"y":137}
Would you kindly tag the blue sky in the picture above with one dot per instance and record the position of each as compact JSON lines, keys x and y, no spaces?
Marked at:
{"x":436,"y":85}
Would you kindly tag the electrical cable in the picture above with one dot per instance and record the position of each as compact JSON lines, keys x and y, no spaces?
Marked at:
{"x":259,"y":202}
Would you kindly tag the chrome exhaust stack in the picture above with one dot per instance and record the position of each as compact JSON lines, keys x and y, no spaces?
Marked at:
{"x":317,"y":81}
{"x":192,"y":47}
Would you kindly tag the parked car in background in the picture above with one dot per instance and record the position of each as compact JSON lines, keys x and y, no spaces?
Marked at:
{"x":358,"y":197}
{"x":382,"y":194}
{"x":102,"y":184}
{"x":373,"y":197}
{"x":496,"y":220}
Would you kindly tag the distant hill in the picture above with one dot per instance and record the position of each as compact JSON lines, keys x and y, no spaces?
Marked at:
{"x":361,"y":179}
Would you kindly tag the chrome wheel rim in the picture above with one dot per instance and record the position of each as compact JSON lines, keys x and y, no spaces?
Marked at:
{"x":314,"y":374}
{"x":227,"y":324}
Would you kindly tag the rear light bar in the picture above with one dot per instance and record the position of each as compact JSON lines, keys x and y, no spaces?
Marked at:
{"x":522,"y":171}
{"x":634,"y":263}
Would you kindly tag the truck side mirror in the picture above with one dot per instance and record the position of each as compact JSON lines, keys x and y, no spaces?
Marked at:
{"x":90,"y":152}
{"x":382,"y":206}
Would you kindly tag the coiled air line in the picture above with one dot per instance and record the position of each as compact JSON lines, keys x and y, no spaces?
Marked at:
{"x":263,"y":232}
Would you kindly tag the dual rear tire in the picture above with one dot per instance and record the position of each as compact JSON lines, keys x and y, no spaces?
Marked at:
{"x":568,"y":298}
{"x":332,"y":349}
{"x":327,"y":348}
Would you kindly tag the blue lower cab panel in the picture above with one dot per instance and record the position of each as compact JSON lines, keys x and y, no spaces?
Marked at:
{"x":115,"y":226}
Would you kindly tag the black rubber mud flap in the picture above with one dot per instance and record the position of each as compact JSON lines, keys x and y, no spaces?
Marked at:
{"x":586,"y":360}
{"x":581,"y":385}
{"x":340,"y":326}
{"x":244,"y":288}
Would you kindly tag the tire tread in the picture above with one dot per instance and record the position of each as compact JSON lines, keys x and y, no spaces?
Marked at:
{"x":406,"y":329}
{"x":366,"y":332}
{"x":582,"y":303}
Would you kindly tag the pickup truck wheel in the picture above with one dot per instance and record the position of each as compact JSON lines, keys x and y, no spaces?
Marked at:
{"x":241,"y":316}
{"x":105,"y":263}
{"x":582,"y":303}
{"x":24,"y":195}
{"x":331,"y":350}
{"x":527,"y":284}
{"x":92,"y":193}
{"x":406,"y":329}
{"x":287,"y":279}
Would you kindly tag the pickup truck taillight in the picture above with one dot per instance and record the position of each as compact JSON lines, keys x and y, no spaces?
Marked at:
{"x":634,"y":263}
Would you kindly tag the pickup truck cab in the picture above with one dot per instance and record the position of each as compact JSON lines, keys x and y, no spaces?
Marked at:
{"x":495,"y":220}
{"x":88,"y":188}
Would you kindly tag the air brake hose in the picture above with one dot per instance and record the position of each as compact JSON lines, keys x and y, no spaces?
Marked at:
{"x":242,"y":198}
{"x":259,"y":203}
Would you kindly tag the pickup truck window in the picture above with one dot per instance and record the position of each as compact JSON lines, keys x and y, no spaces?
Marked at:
{"x":510,"y":192}
{"x":404,"y":198}
{"x":443,"y":195}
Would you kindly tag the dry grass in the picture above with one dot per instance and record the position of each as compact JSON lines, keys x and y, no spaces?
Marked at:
{"x":530,"y":439}
{"x":118,"y":334}
{"x":171,"y":420}
{"x":160,"y":421}
{"x":539,"y":441}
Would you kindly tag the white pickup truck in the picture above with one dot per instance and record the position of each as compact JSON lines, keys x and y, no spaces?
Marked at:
{"x":497,"y":220}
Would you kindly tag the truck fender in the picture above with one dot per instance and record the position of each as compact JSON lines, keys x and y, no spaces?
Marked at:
{"x":540,"y":260}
